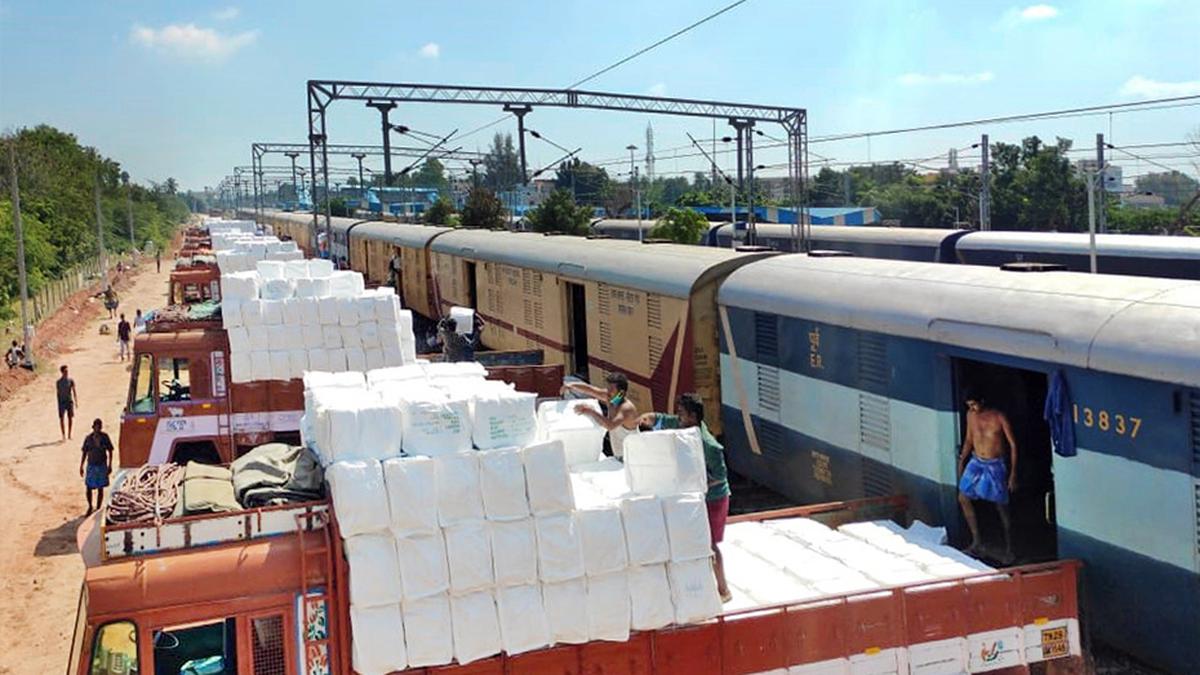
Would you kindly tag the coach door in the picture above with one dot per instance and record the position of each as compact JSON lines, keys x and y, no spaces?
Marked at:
{"x":577,"y":329}
{"x":1021,"y":395}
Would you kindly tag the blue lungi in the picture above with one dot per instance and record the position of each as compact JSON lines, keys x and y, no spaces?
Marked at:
{"x":985,"y":479}
{"x":96,"y":476}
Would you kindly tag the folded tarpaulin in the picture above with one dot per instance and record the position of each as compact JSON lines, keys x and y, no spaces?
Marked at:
{"x":207,"y":489}
{"x":277,"y":473}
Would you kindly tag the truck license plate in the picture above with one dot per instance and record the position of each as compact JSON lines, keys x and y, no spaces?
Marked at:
{"x":1054,"y":642}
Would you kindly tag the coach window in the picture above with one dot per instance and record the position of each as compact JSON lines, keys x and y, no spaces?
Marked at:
{"x":114,"y":651}
{"x":176,"y":382}
{"x":141,"y":399}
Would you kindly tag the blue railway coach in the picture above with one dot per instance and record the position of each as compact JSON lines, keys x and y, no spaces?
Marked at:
{"x":843,"y":378}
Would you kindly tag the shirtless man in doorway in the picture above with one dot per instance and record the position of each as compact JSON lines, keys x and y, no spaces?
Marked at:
{"x":981,"y":467}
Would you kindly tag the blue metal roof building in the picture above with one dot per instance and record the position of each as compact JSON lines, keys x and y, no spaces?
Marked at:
{"x":819,"y":215}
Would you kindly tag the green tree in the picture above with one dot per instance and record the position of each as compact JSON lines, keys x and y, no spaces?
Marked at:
{"x":589,"y":183}
{"x":1175,"y":187}
{"x":683,"y":226}
{"x":559,"y":213}
{"x":483,"y":209}
{"x":432,"y":174}
{"x":337,"y":207}
{"x":501,"y":164}
{"x":439,"y":212}
{"x":1130,"y":220}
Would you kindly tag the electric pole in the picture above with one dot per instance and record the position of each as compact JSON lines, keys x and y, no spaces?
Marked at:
{"x":985,"y":193}
{"x":385,"y":108}
{"x":1101,"y":185}
{"x":26,"y":329}
{"x":129,"y":208}
{"x":361,"y":188}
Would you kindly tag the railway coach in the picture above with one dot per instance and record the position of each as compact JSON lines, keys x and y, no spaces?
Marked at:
{"x":372,"y":246}
{"x":596,"y":306}
{"x":892,"y":243}
{"x":1144,"y":255}
{"x":844,"y":378}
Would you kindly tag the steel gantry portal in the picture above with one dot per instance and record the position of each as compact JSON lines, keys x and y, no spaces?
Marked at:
{"x":742,"y":116}
{"x":260,"y":150}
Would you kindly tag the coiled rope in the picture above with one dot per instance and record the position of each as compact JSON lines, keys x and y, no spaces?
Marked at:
{"x":149,"y":493}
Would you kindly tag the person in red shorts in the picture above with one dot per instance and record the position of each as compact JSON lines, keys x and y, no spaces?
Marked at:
{"x":690,"y":413}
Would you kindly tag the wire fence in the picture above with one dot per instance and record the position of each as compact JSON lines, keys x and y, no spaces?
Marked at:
{"x":51,"y":296}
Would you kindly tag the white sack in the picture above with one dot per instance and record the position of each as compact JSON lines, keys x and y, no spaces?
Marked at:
{"x":252,"y":316}
{"x":240,"y":368}
{"x":608,"y":607}
{"x":347,"y":311}
{"x":320,"y":268}
{"x":269,"y":270}
{"x":687,"y":527}
{"x":327,"y":311}
{"x":502,"y":419}
{"x":464,"y":318}
{"x":331,"y":337}
{"x":276,"y":337}
{"x":469,"y":557}
{"x":356,"y":359}
{"x":295,"y":269}
{"x":358,"y":495}
{"x":428,"y":631}
{"x":458,"y":498}
{"x":368,"y":334}
{"x":239,"y":286}
{"x":337,"y":360}
{"x":560,"y":552}
{"x":276,"y":289}
{"x":412,"y":494}
{"x":374,"y":570}
{"x":239,"y":339}
{"x":378,"y":639}
{"x":645,"y":530}
{"x":514,"y":552}
{"x":311,"y":337}
{"x":603,"y":539}
{"x":297,"y":363}
{"x":650,"y":597}
{"x":565,"y":603}
{"x":693,"y":591}
{"x":231,"y":313}
{"x":379,"y":428}
{"x":366,"y":308}
{"x":665,"y":463}
{"x":293,"y":312}
{"x":397,"y":374}
{"x":349,"y":336}
{"x":523,"y":625}
{"x":476,"y":626}
{"x":582,"y":438}
{"x":547,"y":480}
{"x":310,"y":311}
{"x":423,"y":564}
{"x":387,"y":308}
{"x":318,"y":360}
{"x":502,"y":483}
{"x":259,"y":338}
{"x":375,"y":359}
{"x":435,"y":426}
{"x":260,"y":365}
{"x":325,"y":380}
{"x":272,"y":312}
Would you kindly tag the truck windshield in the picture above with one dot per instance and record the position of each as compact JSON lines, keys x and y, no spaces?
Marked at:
{"x":114,"y":651}
{"x":209,"y":648}
{"x":177,"y":383}
{"x":141,"y":399}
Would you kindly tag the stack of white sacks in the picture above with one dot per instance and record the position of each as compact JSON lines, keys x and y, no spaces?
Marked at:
{"x":466,"y":534}
{"x":240,"y":251}
{"x":286,"y":318}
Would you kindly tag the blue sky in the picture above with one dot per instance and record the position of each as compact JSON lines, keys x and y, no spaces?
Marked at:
{"x":183,"y":89}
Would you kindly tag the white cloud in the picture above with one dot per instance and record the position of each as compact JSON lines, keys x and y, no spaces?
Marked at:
{"x":929,"y":79}
{"x":658,"y":89}
{"x":1144,"y":87}
{"x":431,"y":50}
{"x":189,"y":41}
{"x":1031,"y":14}
{"x":226,"y":13}
{"x":1038,"y":12}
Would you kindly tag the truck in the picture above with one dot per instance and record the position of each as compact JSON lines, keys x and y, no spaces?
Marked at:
{"x":265,"y":591}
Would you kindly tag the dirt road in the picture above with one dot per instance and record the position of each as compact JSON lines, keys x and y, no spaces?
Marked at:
{"x":41,"y":494}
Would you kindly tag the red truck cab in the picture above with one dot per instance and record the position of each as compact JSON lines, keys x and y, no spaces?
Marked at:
{"x":194,"y":284}
{"x":182,"y":405}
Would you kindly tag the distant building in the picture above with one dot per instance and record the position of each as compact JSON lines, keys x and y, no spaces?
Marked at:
{"x":818,"y":215}
{"x":1143,"y":200}
{"x":1114,"y":181}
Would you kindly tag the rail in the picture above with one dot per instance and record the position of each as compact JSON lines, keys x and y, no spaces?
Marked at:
{"x":172,"y":534}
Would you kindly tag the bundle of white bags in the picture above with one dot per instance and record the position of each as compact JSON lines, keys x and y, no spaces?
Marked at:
{"x":459,"y":553}
{"x":288,"y":317}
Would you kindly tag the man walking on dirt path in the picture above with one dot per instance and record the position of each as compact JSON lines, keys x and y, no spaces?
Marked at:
{"x":157,"y":260}
{"x":124,"y":333}
{"x":982,"y":471}
{"x":97,"y":457}
{"x":68,"y":399}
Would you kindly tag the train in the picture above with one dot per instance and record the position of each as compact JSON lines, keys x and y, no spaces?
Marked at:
{"x":839,"y":377}
{"x":1125,"y":254}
